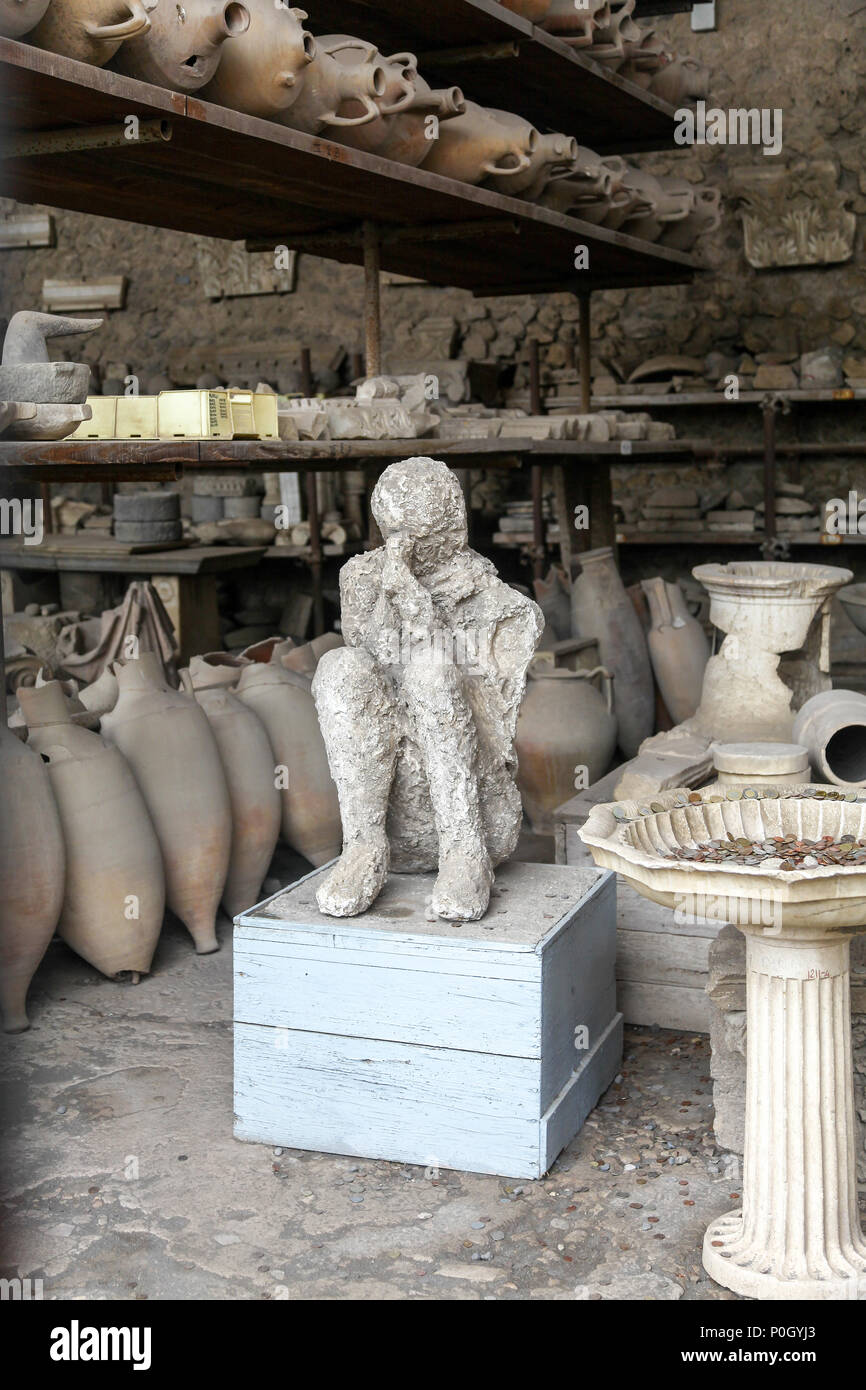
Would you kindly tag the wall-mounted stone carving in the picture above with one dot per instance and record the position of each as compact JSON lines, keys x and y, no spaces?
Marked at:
{"x":228,"y":270}
{"x":794,"y":215}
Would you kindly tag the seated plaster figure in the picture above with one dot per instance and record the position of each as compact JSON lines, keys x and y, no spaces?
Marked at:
{"x":418,"y":711}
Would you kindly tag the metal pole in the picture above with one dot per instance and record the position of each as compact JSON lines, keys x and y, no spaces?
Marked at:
{"x":313,"y":511}
{"x":769,"y":471}
{"x":537,"y":408}
{"x":373,"y":345}
{"x":306,"y":365}
{"x":585,"y":347}
{"x":18,"y":144}
{"x":372,"y":303}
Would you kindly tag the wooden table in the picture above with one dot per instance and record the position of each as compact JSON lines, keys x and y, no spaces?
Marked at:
{"x":185,"y":579}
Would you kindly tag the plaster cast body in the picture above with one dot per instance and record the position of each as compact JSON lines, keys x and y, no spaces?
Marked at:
{"x":419,"y":709}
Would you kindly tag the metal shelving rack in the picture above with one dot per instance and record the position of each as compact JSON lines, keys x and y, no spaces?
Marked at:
{"x":219,"y":173}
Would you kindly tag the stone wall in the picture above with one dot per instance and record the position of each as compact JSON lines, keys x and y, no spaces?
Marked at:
{"x":808,"y":60}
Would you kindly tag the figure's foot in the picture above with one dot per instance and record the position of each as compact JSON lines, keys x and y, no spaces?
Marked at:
{"x":357,"y":880}
{"x":462,"y":890}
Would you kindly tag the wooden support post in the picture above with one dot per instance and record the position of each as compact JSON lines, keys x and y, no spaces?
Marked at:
{"x":585,"y":348}
{"x":306,"y":372}
{"x":373,"y":344}
{"x":601,"y":528}
{"x":313,"y":512}
{"x":536,"y":406}
{"x":372,"y":302}
{"x":769,"y":409}
{"x":315,"y":553}
{"x":357,"y":367}
{"x":47,"y":513}
{"x":538,"y":556}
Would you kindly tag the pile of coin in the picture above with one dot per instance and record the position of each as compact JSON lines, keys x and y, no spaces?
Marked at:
{"x":777,"y":852}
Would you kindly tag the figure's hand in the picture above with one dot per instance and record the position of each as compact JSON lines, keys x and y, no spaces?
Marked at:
{"x":408,"y":595}
{"x":397,"y":570}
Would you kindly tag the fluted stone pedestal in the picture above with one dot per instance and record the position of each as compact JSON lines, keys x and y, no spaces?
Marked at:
{"x":798,"y":1235}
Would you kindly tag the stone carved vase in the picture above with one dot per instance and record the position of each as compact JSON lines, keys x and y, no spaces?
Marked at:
{"x":184,"y":44}
{"x":602,"y":609}
{"x":91,"y":31}
{"x":479,"y":145}
{"x":330,"y":86}
{"x":678,"y":648}
{"x":18,"y":17}
{"x":262,"y":72}
{"x":766,"y":608}
{"x":167,"y":741}
{"x":310,"y":809}
{"x":32,"y":872}
{"x":248,"y":764}
{"x":565,"y":724}
{"x":114,"y":888}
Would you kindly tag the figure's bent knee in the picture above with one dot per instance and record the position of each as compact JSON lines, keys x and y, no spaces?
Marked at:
{"x":344,"y":670}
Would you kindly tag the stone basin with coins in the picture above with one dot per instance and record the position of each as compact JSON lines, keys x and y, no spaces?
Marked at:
{"x":798,"y":1235}
{"x":636,"y":840}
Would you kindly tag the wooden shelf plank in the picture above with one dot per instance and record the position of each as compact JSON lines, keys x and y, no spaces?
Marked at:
{"x":844,"y":396}
{"x":134,"y":460}
{"x":196,"y":559}
{"x":232,"y":176}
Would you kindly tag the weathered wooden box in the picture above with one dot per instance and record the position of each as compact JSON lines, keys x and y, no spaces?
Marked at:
{"x":482,"y":1046}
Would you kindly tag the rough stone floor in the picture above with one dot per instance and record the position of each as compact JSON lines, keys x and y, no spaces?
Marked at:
{"x":121,"y":1177}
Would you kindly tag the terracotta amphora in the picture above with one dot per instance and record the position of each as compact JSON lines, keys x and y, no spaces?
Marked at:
{"x":410,"y":132}
{"x":101,"y":695}
{"x":627,"y":199}
{"x":678,"y":648}
{"x":682,"y":79}
{"x":262,"y":71}
{"x":402,"y":130}
{"x":479,"y":145}
{"x":566,"y":736}
{"x":91,"y":30}
{"x":305,"y":659}
{"x":585,"y":190}
{"x":18,"y":17}
{"x":577,"y":24}
{"x":310,"y":809}
{"x":330,"y":86}
{"x":248,"y":764}
{"x":705,"y":217}
{"x":184,"y":44}
{"x":167,"y":741}
{"x":216,"y":668}
{"x":114,"y":889}
{"x":32,"y":873}
{"x":550,"y":155}
{"x":670,"y":200}
{"x":601,"y":608}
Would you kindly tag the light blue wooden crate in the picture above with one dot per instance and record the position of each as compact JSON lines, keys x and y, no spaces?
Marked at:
{"x":481,"y":1046}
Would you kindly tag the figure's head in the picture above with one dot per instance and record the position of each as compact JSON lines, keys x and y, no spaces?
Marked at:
{"x":421,"y":499}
